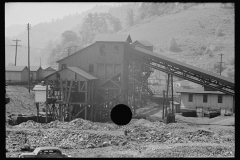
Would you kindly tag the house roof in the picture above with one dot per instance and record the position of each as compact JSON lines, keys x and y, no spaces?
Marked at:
{"x":199,"y":90}
{"x":34,"y":68}
{"x":14,"y":68}
{"x":113,"y":38}
{"x":75,"y":53}
{"x":144,"y":42}
{"x":82,"y":73}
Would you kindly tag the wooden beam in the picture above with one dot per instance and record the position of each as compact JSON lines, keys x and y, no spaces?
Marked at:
{"x":69,"y":92}
{"x":115,"y":83}
{"x":79,"y":111}
{"x":86,"y":112}
{"x":117,"y":74}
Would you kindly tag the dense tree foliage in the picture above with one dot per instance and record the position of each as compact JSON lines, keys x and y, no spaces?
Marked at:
{"x":98,"y":23}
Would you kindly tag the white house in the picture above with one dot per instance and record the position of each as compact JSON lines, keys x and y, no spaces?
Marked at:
{"x":192,"y":98}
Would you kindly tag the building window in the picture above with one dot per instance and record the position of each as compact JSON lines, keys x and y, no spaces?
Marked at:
{"x":220,"y":98}
{"x":91,"y":68}
{"x":63,"y":66}
{"x":205,"y":98}
{"x":190,"y":97}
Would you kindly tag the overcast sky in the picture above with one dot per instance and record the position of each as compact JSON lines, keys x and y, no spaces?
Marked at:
{"x":36,"y":12}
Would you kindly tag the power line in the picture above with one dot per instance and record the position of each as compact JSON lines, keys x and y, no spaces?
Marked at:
{"x":16,"y":50}
{"x":28,"y":28}
{"x":221,"y":63}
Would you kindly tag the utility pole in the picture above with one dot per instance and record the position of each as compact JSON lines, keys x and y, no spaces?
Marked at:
{"x":16,"y":50}
{"x":40,"y":61}
{"x":28,"y":28}
{"x":221,"y":63}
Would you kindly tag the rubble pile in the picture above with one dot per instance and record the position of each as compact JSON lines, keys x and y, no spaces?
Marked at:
{"x":78,"y":124}
{"x":80,"y":134}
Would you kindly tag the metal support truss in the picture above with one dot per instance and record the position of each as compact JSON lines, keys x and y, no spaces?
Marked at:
{"x":181,"y":73}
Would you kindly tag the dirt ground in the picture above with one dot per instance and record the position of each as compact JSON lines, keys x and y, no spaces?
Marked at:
{"x":188,"y":137}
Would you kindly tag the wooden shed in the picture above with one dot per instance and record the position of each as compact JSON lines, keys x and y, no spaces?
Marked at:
{"x":47,"y":71}
{"x":144,"y":44}
{"x":16,"y":73}
{"x":75,"y":89}
{"x":35,"y":73}
{"x":198,"y":98}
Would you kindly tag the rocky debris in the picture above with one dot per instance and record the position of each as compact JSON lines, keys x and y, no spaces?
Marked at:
{"x":75,"y":135}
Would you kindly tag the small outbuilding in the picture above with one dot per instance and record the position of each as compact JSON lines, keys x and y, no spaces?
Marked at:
{"x":47,"y":71}
{"x":35,"y":73}
{"x":16,"y":73}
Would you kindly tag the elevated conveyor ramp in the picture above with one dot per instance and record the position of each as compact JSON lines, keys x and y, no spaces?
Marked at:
{"x":180,"y":69}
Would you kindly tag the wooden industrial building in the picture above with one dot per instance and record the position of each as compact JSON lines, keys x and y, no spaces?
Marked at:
{"x":103,"y":61}
{"x":206,"y":99}
{"x":16,"y":73}
{"x":112,"y":70}
{"x":144,"y":44}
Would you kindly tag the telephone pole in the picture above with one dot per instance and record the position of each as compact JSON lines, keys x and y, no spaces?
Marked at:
{"x":16,"y":50}
{"x":28,"y":28}
{"x":221,"y":63}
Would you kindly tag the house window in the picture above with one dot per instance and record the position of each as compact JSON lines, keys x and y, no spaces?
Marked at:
{"x":91,"y":68}
{"x":205,"y":98}
{"x":219,"y":98}
{"x":63,"y":66}
{"x":190,"y":97}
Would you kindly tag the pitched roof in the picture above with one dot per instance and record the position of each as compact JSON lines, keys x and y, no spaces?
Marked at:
{"x":78,"y":71}
{"x":199,"y":90}
{"x":50,"y":69}
{"x":75,"y":53}
{"x":144,"y":42}
{"x":34,"y":68}
{"x":113,"y":38}
{"x":82,"y":73}
{"x":14,"y":68}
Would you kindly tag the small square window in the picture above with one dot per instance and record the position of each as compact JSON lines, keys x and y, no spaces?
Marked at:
{"x":190,"y":97}
{"x":63,"y":66}
{"x":205,"y":98}
{"x":220,"y":98}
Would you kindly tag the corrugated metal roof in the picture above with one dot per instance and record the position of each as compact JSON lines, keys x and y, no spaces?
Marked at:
{"x":182,"y":65}
{"x":14,"y":68}
{"x":144,"y":42}
{"x":82,"y":73}
{"x":199,"y":91}
{"x":113,"y":38}
{"x":34,"y":68}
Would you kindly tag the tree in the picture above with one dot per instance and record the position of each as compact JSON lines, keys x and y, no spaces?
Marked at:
{"x":130,"y":18}
{"x":69,"y":36}
{"x":98,"y":23}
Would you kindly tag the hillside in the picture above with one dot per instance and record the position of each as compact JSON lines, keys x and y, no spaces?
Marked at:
{"x":41,"y":35}
{"x":195,"y":31}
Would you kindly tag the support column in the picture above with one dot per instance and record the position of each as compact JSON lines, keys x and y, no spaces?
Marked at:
{"x":37,"y":105}
{"x":163,"y":104}
{"x":134,"y":108}
{"x":167,"y":95}
{"x":124,"y":80}
{"x":172,"y":94}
